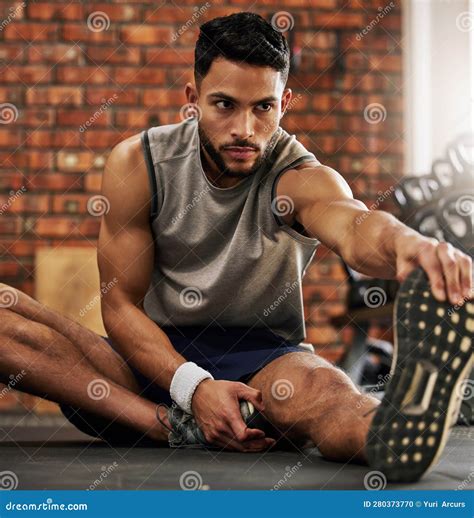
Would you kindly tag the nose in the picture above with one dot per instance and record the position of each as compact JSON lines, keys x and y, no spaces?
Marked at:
{"x":243,"y":126}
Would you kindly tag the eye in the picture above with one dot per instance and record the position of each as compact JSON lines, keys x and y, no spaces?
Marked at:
{"x":223,"y":101}
{"x":267,"y":104}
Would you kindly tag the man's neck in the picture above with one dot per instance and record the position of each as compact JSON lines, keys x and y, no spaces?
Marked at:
{"x":215,"y":175}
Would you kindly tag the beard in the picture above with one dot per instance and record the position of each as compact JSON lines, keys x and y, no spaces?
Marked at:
{"x":219,"y":160}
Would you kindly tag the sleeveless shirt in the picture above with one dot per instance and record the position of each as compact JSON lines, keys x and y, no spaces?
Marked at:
{"x":223,"y":256}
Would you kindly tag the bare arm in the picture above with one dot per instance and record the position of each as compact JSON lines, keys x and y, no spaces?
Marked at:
{"x":125,"y":256}
{"x":372,"y":242}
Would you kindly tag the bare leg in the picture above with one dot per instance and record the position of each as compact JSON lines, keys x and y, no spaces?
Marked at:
{"x":311,"y":401}
{"x":67,"y":363}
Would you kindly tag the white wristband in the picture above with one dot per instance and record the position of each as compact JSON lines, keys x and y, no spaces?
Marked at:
{"x":184,"y":383}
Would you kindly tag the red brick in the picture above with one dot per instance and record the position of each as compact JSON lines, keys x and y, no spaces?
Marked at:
{"x":18,"y":202}
{"x":26,"y":74}
{"x":82,"y":33}
{"x":13,"y":96}
{"x":145,"y":76}
{"x":70,"y":203}
{"x":117,"y":13}
{"x":50,"y":11}
{"x":11,"y":180}
{"x":144,"y":35}
{"x":121,"y":55}
{"x":169,"y":56}
{"x":96,"y":96}
{"x":8,"y":138}
{"x":12,"y":11}
{"x":11,"y":52}
{"x":58,"y":53}
{"x":168,"y":15}
{"x":55,"y":182}
{"x":93,"y":182}
{"x":163,"y":97}
{"x":339,"y":20}
{"x":386,"y":63}
{"x":18,"y":247}
{"x":81,"y":75}
{"x":56,"y":226}
{"x":132,"y":119}
{"x":74,"y":162}
{"x":36,"y":117}
{"x":105,"y":139}
{"x":55,"y":95}
{"x":30,"y":32}
{"x":77,"y":118}
{"x":38,"y":159}
{"x":53,"y":139}
{"x":316,"y":40}
{"x":297,"y":122}
{"x":10,"y":225}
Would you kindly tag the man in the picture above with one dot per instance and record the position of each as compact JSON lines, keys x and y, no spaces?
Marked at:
{"x":211,"y":226}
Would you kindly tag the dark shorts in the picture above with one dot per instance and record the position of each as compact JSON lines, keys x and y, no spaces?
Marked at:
{"x":233,"y":354}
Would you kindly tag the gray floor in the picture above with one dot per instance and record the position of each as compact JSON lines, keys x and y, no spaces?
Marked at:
{"x":62,"y":458}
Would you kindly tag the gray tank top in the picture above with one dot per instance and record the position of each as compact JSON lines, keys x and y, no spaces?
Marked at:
{"x":223,"y":256}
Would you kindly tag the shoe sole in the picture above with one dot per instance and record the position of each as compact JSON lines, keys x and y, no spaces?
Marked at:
{"x":432,"y":357}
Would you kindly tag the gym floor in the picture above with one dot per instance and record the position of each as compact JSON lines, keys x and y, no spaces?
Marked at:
{"x":61,"y":457}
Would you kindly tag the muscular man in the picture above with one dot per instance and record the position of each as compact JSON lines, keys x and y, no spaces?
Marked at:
{"x":211,"y":226}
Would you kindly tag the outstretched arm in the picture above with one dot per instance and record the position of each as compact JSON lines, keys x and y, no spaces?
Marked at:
{"x":372,"y":242}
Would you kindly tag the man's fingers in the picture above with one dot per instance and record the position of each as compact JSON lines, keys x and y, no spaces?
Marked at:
{"x":252,"y":395}
{"x":451,"y":271}
{"x":465,"y":273}
{"x":429,"y":261}
{"x":240,"y":430}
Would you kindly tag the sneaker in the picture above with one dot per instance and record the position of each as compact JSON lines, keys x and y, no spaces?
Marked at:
{"x":185,"y":433}
{"x":432,"y":359}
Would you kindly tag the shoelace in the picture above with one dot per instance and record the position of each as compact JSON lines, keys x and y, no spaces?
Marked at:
{"x":159,"y":418}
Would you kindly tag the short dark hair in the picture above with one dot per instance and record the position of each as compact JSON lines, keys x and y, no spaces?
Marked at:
{"x":240,"y":37}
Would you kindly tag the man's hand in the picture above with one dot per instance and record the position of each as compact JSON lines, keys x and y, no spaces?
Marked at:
{"x":449,"y":270}
{"x":216,"y":409}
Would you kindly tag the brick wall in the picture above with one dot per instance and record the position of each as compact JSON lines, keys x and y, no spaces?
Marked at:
{"x":57,"y":70}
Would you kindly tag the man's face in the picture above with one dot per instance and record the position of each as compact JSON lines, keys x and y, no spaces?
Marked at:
{"x":240,"y":108}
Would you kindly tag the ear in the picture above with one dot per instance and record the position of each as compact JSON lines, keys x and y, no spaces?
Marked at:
{"x":285,"y":100}
{"x":191,"y":93}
